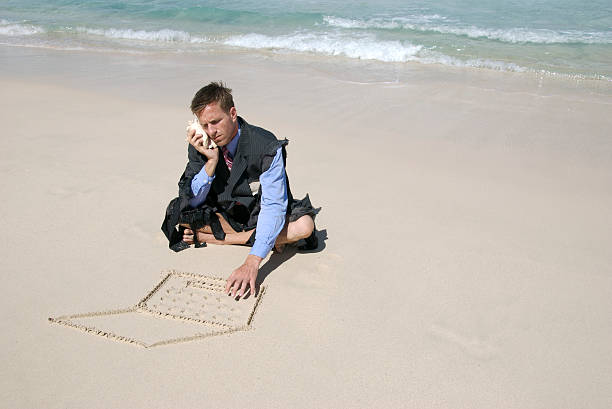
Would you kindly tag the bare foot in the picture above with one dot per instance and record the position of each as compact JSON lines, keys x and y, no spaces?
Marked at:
{"x":205,"y":229}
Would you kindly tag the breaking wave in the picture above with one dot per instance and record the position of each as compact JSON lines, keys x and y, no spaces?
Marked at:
{"x":10,"y":29}
{"x":328,"y":44}
{"x":512,"y":35}
{"x":354,"y":43}
{"x":363,"y":49}
{"x":165,"y":35}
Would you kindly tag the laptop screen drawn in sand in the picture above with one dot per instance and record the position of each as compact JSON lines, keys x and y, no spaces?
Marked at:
{"x":182,"y":307}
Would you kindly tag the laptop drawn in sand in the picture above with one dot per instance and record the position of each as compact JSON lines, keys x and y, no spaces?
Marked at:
{"x":181,"y":307}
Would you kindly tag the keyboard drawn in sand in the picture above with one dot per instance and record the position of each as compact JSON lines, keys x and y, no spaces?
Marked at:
{"x":182,"y":307}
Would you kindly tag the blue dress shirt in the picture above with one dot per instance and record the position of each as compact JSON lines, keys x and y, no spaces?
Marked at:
{"x":274,"y":200}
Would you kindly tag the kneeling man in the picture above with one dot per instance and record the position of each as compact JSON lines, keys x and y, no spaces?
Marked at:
{"x":237,"y":192}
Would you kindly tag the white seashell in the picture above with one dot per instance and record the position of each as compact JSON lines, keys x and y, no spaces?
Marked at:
{"x":195,"y":124}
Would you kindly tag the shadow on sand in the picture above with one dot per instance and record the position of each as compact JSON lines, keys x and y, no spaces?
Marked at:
{"x":276,"y":259}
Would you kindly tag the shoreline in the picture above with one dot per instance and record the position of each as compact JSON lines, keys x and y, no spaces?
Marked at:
{"x":364,"y":72}
{"x":143,"y":79}
{"x":343,"y":39}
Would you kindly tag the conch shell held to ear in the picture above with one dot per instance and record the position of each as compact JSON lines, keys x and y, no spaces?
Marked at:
{"x":195,"y":124}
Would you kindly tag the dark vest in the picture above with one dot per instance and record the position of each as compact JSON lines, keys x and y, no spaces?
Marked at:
{"x":230,"y":194}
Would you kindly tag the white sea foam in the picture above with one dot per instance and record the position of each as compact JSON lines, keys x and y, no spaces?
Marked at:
{"x":431,"y":57}
{"x":10,"y":29}
{"x":365,"y":48}
{"x":383,"y":23}
{"x":522,"y":35}
{"x":512,"y":35}
{"x":361,"y":45}
{"x":165,"y":35}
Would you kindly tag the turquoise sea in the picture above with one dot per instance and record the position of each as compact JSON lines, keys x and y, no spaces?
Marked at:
{"x":567,"y":38}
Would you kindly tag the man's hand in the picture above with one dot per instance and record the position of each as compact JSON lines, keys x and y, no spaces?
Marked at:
{"x":197,"y":141}
{"x":244,"y":276}
{"x":212,"y":155}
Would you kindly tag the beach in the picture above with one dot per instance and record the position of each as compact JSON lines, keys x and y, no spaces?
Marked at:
{"x":465,"y":234}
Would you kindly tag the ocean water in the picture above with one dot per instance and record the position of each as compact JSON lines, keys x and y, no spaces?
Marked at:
{"x":567,"y":38}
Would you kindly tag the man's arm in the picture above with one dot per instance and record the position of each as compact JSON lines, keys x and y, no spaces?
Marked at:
{"x":273,"y":206}
{"x":200,"y":186}
{"x":201,"y":182}
{"x":269,"y":224}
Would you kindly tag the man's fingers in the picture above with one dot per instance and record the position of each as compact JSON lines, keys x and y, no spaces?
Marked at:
{"x":190,"y":133}
{"x":240,"y":280}
{"x":238,"y":286}
{"x":243,"y":288}
{"x":194,"y":138}
{"x":230,"y":282}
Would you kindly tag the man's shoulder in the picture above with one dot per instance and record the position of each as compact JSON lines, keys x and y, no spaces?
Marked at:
{"x":256,"y":131}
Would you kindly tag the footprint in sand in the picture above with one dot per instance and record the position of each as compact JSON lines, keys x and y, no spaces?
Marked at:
{"x":142,"y":230}
{"x":69,"y":191}
{"x":324,"y":274}
{"x":475,"y":347}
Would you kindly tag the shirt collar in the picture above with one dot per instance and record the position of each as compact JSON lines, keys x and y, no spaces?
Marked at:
{"x":233,"y":145}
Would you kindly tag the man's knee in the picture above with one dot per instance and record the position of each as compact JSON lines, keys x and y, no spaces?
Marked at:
{"x":301,"y":228}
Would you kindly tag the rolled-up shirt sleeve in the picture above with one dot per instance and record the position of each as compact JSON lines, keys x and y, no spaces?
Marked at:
{"x":200,"y":186}
{"x":274,"y":201}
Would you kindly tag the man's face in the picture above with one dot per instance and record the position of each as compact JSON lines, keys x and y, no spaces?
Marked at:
{"x":219,"y":125}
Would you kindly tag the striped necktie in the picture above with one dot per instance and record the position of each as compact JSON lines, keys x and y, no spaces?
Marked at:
{"x":226,"y":156}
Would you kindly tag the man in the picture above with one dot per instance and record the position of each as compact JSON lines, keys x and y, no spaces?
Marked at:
{"x":237,"y":192}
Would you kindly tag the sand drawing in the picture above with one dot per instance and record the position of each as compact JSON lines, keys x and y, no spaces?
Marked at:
{"x":181,"y":307}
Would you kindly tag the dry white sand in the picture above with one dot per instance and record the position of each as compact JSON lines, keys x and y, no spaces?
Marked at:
{"x":467,"y":261}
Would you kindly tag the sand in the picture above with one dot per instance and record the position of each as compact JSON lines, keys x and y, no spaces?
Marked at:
{"x":467,"y":216}
{"x":182,"y":307}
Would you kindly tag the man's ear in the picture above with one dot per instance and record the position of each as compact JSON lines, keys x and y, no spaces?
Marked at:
{"x":233,"y":113}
